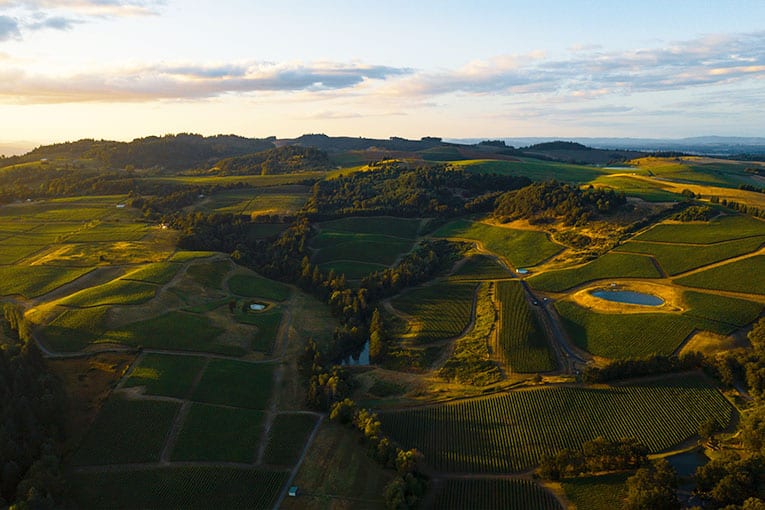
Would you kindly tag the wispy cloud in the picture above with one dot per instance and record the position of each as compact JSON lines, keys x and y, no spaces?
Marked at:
{"x":54,"y":22}
{"x":187,"y":82}
{"x":90,"y":7}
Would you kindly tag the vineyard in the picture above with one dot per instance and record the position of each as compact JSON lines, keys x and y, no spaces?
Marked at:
{"x":521,"y":337}
{"x":610,"y":265}
{"x":165,"y":374}
{"x":722,"y":228}
{"x":439,"y":311}
{"x":288,"y":435}
{"x":746,"y":275}
{"x":489,"y":493}
{"x":481,"y":267}
{"x":511,"y":432}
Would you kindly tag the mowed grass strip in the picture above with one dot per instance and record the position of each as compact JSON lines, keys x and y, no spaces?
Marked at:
{"x":251,"y":285}
{"x":223,"y":434}
{"x":440,"y":311}
{"x":521,"y":336}
{"x":167,"y":375}
{"x":510,"y":432}
{"x":287,"y":438}
{"x":520,"y":247}
{"x":481,"y":267}
{"x":610,"y":265}
{"x":176,"y":331}
{"x":236,"y":384}
{"x":721,"y":228}
{"x":159,"y":273}
{"x":34,"y":281}
{"x":624,"y":335}
{"x":127,"y":431}
{"x":456,"y":494}
{"x":385,"y":225}
{"x":745,"y":275}
{"x":679,"y":258}
{"x":179,"y":487}
{"x":116,"y":292}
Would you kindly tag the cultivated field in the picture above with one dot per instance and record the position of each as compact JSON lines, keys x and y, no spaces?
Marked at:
{"x":481,"y":267}
{"x":438,"y":311}
{"x":746,"y":276}
{"x":610,"y":265}
{"x":459,"y":494}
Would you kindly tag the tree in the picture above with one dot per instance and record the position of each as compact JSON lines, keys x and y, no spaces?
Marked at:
{"x":652,"y":488}
{"x":376,"y":336}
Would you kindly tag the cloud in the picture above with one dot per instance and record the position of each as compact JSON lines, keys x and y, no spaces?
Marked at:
{"x":55,"y":23}
{"x":9,"y":28}
{"x":187,"y":82}
{"x":90,"y":7}
{"x":588,"y":72}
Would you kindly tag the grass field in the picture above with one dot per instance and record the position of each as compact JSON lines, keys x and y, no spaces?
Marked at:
{"x":481,"y":267}
{"x":439,"y":311}
{"x":265,"y":200}
{"x":382,"y":225}
{"x":457,"y":494}
{"x":176,"y":331}
{"x":185,"y":256}
{"x":521,"y":337}
{"x":159,"y":273}
{"x":179,"y":487}
{"x":371,"y":249}
{"x":288,"y":437}
{"x":610,"y":265}
{"x":74,"y":329}
{"x":679,"y":258}
{"x":223,"y":434}
{"x":624,"y":335}
{"x":605,"y":492}
{"x":338,"y":467}
{"x":34,"y":281}
{"x":236,"y":384}
{"x":534,"y":169}
{"x":511,"y":431}
{"x":721,"y":228}
{"x":747,"y":275}
{"x":106,"y":231}
{"x":121,"y":433}
{"x":520,"y":247}
{"x":210,"y":274}
{"x":14,"y":252}
{"x":252,"y":285}
{"x":650,"y":191}
{"x":116,"y":292}
{"x":723,"y":313}
{"x":268,"y":327}
{"x":166,"y":374}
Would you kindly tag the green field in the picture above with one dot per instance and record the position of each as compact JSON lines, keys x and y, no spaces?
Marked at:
{"x":440,"y":311}
{"x":371,"y":249}
{"x":179,"y":487}
{"x":534,"y":169}
{"x":34,"y":281}
{"x":212,"y":433}
{"x":650,"y":191}
{"x":75,"y":329}
{"x":679,"y":258}
{"x":116,"y":292}
{"x":722,"y":314}
{"x":268,"y":327}
{"x":481,"y":267}
{"x":12,"y":253}
{"x":176,"y":331}
{"x":236,"y":384}
{"x":605,"y":492}
{"x":210,"y":274}
{"x":459,"y":494}
{"x":252,"y":285}
{"x":521,"y":336}
{"x":721,"y":228}
{"x":610,"y":265}
{"x":166,"y":374}
{"x":185,"y":256}
{"x":159,"y":273}
{"x":746,"y":275}
{"x":288,"y":437}
{"x":512,"y":431}
{"x":614,"y":335}
{"x":104,"y":232}
{"x":382,"y":225}
{"x":127,"y":431}
{"x":265,"y":200}
{"x":520,"y":247}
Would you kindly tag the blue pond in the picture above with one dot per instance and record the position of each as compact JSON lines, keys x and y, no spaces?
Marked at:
{"x":629,"y":296}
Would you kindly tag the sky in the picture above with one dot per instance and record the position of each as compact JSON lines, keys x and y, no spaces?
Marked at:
{"x":122,"y":69}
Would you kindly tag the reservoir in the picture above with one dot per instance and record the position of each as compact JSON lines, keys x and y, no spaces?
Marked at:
{"x":629,"y":296}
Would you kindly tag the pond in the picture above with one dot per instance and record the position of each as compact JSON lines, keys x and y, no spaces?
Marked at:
{"x":686,"y":463}
{"x":257,"y":306}
{"x":357,"y":359}
{"x":629,"y":296}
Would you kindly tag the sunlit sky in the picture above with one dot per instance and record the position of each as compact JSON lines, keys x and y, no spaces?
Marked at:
{"x":120,"y":69}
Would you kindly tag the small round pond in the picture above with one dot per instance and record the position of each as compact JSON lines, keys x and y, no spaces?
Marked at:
{"x":629,"y":296}
{"x":258,"y":307}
